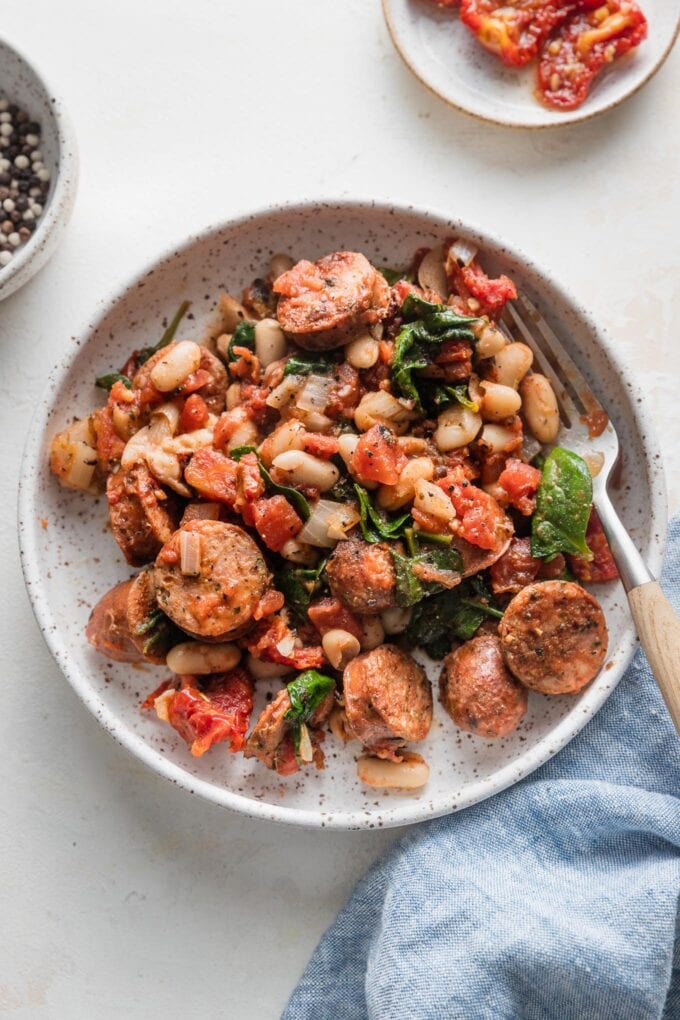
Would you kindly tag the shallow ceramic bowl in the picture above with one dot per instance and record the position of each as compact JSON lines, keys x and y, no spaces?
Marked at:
{"x":445,"y":56}
{"x":21,"y":84}
{"x":72,"y":560}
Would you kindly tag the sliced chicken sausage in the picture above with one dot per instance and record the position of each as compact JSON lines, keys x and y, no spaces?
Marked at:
{"x":388,"y":700}
{"x":272,"y":727}
{"x":362,"y":576}
{"x":143,"y":516}
{"x":477,"y":690}
{"x":217,"y":600}
{"x":323,"y":304}
{"x":554,"y":637}
{"x":127,"y":625}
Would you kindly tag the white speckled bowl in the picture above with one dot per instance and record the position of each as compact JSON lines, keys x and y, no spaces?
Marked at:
{"x":445,"y":56}
{"x":22,"y":84}
{"x":72,"y":561}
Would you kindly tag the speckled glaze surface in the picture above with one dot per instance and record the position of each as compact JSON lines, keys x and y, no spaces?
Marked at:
{"x":22,"y":84}
{"x":69,"y":563}
{"x":446,"y":57}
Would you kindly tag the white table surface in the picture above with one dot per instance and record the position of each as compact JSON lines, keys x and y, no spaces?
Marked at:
{"x":119,"y":894}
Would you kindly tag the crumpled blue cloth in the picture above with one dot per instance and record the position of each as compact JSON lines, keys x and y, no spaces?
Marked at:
{"x":555,"y":900}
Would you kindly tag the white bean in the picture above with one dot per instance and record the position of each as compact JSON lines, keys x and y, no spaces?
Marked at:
{"x":497,"y":438}
{"x":396,"y":620}
{"x":347,"y":444}
{"x":296,"y":467}
{"x":511,"y":364}
{"x":432,"y":500}
{"x":340,"y":647}
{"x":372,"y":632}
{"x":393,"y":497}
{"x":288,"y":436}
{"x":232,"y":312}
{"x":244,"y":435}
{"x":270,"y":343}
{"x":539,"y":406}
{"x":380,"y":406}
{"x":280,"y":264}
{"x":362,"y":352}
{"x":299,"y":552}
{"x":491,"y":341}
{"x":409,"y":774}
{"x":179,"y":361}
{"x":199,"y":658}
{"x":499,"y":402}
{"x":262,"y":670}
{"x":457,"y":426}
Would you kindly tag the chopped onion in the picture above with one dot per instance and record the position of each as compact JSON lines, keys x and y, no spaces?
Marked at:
{"x":81,"y":470}
{"x":463,"y":252}
{"x":530,"y":447}
{"x":162,"y":704}
{"x":286,"y":646}
{"x":314,"y":394}
{"x":284,"y":392}
{"x":431,"y":271}
{"x":190,"y":553}
{"x":328,"y":523}
{"x":305,"y":749}
{"x":165,"y":419}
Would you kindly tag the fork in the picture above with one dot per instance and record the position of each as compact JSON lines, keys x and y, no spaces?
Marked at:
{"x":657,"y":625}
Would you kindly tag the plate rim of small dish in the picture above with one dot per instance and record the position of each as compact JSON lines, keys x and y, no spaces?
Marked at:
{"x":402,"y":810}
{"x":553,"y":119}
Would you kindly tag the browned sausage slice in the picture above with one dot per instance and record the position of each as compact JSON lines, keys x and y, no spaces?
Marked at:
{"x":323,"y":304}
{"x":362,"y":576}
{"x":478,"y":692}
{"x":108,"y":629}
{"x":220,"y":601}
{"x":272,"y":727}
{"x":142,"y":514}
{"x":554,"y":637}
{"x":388,"y":700}
{"x":127,"y":625}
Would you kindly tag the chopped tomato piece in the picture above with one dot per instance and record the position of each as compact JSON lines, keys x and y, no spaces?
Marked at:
{"x":602,"y":566}
{"x":249,"y":487}
{"x":276,"y":521}
{"x":329,"y":614}
{"x":587,"y":42}
{"x":147,"y":704}
{"x":220,"y":712}
{"x":267,"y":638}
{"x":227,"y":424}
{"x":521,"y":482}
{"x":479,"y":514}
{"x":271,"y":602}
{"x":194,"y":413}
{"x":196,"y":381}
{"x":515,"y":30}
{"x":213,"y":475}
{"x":472,"y":282}
{"x":378,"y":457}
{"x":320,"y":446}
{"x":515,"y":569}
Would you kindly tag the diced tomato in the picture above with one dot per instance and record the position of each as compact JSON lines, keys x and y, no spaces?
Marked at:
{"x":227,"y":424}
{"x":402,"y":289}
{"x":478,"y":513}
{"x":285,"y":761}
{"x":196,"y":381}
{"x":232,"y":693}
{"x":602,"y":566}
{"x":149,"y":700}
{"x":194,"y":413}
{"x":515,"y":569}
{"x":276,"y":521}
{"x":521,"y":482}
{"x":329,"y":613}
{"x":263,"y":639}
{"x":247,"y":366}
{"x":514,"y":31}
{"x":221,"y":713}
{"x":249,"y":487}
{"x":378,"y":457}
{"x":271,"y":602}
{"x":472,"y":281}
{"x":345,"y":392}
{"x":320,"y":446}
{"x":213,"y":475}
{"x":587,"y":42}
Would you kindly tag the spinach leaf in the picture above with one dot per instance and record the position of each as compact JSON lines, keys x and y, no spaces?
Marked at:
{"x":299,"y":585}
{"x":168,"y":335}
{"x":393,"y":275}
{"x":295,"y":498}
{"x":306,"y":693}
{"x":445,"y":395}
{"x":241,"y":451}
{"x":343,"y":490}
{"x":160,"y":632}
{"x":457,"y":613}
{"x":563,"y":504}
{"x":308,"y":364}
{"x":409,"y":590}
{"x":412,"y":588}
{"x":105,"y":382}
{"x":243,"y":336}
{"x":376,"y":526}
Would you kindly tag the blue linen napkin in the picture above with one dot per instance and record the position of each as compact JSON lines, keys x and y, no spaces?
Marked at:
{"x":555,"y":900}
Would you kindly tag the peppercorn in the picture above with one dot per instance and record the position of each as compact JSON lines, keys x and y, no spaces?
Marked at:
{"x":24,"y":179}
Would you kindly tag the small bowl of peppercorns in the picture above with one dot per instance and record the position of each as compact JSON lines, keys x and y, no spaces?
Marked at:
{"x":38,"y":170}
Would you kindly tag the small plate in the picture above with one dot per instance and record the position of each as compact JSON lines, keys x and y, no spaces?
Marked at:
{"x":447,"y":58}
{"x":70,"y":558}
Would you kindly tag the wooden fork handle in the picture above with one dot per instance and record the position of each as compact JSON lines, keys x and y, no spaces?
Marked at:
{"x":659,"y":631}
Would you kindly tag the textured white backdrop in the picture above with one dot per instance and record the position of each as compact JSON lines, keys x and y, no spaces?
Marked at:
{"x":120,"y":895}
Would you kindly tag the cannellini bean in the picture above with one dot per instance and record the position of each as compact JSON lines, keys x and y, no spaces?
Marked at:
{"x":432,"y":500}
{"x":539,"y":407}
{"x":393,"y":497}
{"x":511,"y":364}
{"x":497,"y":438}
{"x":262,"y":670}
{"x":299,"y":468}
{"x":396,"y":620}
{"x":499,"y":402}
{"x":233,"y":396}
{"x":380,"y":406}
{"x":490,"y":342}
{"x":412,"y":445}
{"x":179,"y":361}
{"x":200,"y":658}
{"x":372,"y":632}
{"x":409,"y":774}
{"x":337,"y":722}
{"x":288,"y":436}
{"x":280,"y":264}
{"x":457,"y":426}
{"x":232,"y":312}
{"x":299,"y":552}
{"x":270,"y":343}
{"x":314,"y":421}
{"x":362,"y":352}
{"x":431,"y":272}
{"x":340,"y":647}
{"x":347,"y":444}
{"x":245,"y":434}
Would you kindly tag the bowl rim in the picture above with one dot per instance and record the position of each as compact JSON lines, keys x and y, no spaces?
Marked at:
{"x":568,"y":119}
{"x":408,"y":812}
{"x":62,"y":195}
